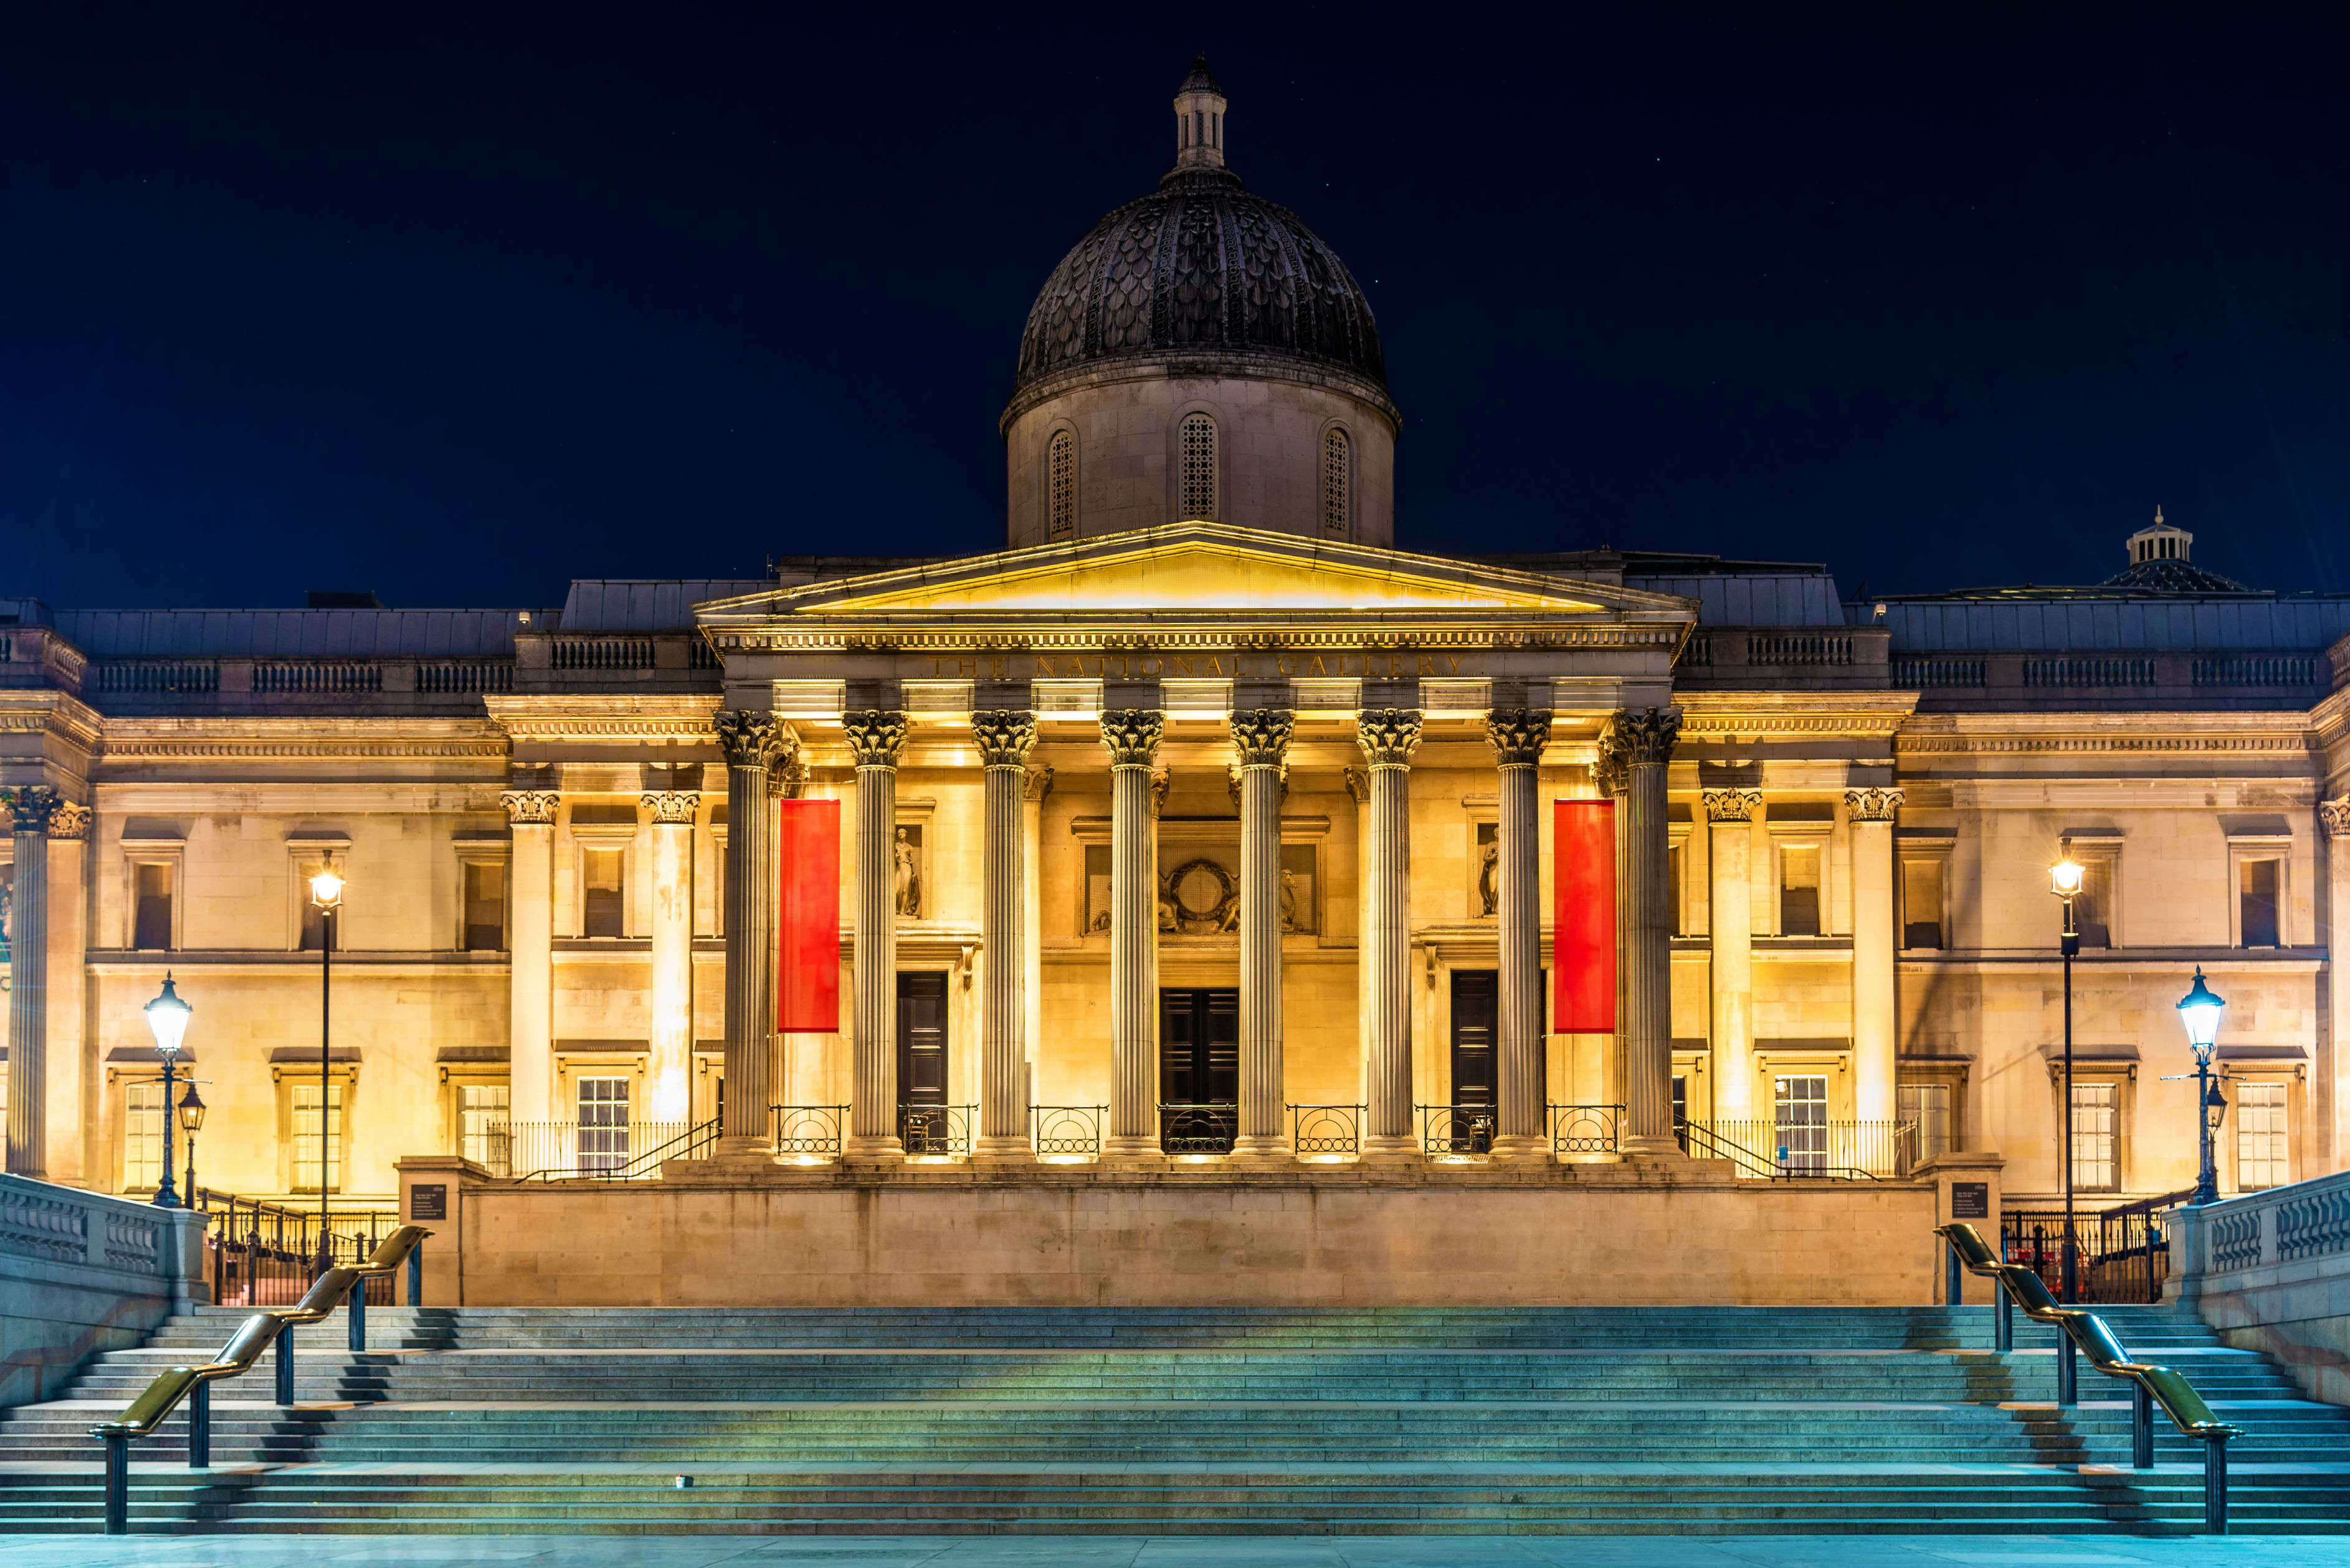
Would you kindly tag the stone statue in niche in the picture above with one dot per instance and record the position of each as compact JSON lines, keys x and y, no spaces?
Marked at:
{"x":1489,"y":867}
{"x":1289,"y":900}
{"x":907,"y":872}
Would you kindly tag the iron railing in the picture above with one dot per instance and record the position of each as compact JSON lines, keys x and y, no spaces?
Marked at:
{"x":1585,"y":1129}
{"x":1196,"y":1127}
{"x":936,"y":1131}
{"x":1324,"y":1132}
{"x":809,"y":1132}
{"x":266,"y":1254}
{"x":559,"y":1151}
{"x":2124,"y":1252}
{"x":1458,"y":1129}
{"x":1847,"y":1149}
{"x":1067,"y":1132}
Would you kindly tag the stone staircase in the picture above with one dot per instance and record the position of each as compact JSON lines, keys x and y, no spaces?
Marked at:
{"x":1420,"y":1421}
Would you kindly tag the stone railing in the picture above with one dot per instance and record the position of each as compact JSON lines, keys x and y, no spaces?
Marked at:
{"x":82,"y":1272}
{"x":2272,"y":1272}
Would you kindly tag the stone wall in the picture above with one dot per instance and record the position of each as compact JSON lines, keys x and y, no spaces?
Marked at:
{"x":80,"y":1273}
{"x":2272,"y":1272}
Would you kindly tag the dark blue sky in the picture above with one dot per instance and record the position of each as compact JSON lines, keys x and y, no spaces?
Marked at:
{"x":458,"y":309}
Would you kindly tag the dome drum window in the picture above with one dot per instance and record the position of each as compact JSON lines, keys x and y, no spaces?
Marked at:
{"x":1061,"y":478}
{"x":1196,"y":449}
{"x":1337,"y":485}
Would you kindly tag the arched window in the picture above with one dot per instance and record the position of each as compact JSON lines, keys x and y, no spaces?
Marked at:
{"x":1061,"y":480}
{"x":1337,"y":487}
{"x":1196,"y":438}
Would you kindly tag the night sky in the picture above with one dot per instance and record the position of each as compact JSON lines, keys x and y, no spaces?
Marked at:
{"x":459,"y":309}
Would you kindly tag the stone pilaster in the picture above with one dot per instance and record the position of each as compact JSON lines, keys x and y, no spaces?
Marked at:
{"x":1875,"y":1023}
{"x":69,"y":1153}
{"x":1131,"y":736}
{"x":1731,"y":816}
{"x":1035,"y":784}
{"x":1518,"y":737}
{"x":1642,"y":740}
{"x":1261,"y":736}
{"x":2332,"y":1104}
{"x":30,"y":811}
{"x":1388,"y":737}
{"x":530,"y":956}
{"x":1005,"y":737}
{"x":668,"y":1063}
{"x":877,"y":738}
{"x":752,"y":742}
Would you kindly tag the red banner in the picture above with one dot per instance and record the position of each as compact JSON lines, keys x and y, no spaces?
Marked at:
{"x":808,"y":910}
{"x":1583,"y":956}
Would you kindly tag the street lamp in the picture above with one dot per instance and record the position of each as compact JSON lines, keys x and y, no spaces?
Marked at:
{"x":2199,"y":1011}
{"x":166,"y":1020}
{"x":327,"y":894}
{"x":2065,"y":881}
{"x":192,"y":1117}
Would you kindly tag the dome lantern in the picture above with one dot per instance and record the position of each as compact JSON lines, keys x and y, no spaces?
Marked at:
{"x":1199,"y":119}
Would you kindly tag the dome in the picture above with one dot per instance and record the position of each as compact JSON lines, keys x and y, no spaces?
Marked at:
{"x":1200,"y":267}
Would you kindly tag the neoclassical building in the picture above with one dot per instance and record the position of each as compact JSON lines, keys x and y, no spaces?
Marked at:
{"x":1201,"y":823}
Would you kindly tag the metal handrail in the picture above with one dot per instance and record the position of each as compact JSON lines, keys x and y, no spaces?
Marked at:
{"x":2150,"y":1385}
{"x":331,"y":1290}
{"x":1702,"y":1142}
{"x":694,"y":1143}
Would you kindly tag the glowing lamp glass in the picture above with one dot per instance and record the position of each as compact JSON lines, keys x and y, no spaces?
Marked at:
{"x":192,"y":1111}
{"x":167,"y":1019}
{"x":326,"y":890}
{"x":2199,"y":1011}
{"x":2065,"y":877}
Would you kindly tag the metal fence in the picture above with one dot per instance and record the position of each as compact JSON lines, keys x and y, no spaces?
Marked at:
{"x":1324,"y":1132}
{"x":1585,"y":1129}
{"x":556,"y":1150}
{"x":1772,"y":1148}
{"x":1458,"y":1130}
{"x":1198,"y":1128}
{"x":809,"y":1132}
{"x":2124,"y":1252}
{"x":936,"y":1131}
{"x":266,"y":1254}
{"x":1067,"y":1132}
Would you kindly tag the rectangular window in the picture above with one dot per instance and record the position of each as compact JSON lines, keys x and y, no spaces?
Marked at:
{"x":2257,"y":884}
{"x":601,"y":912}
{"x":602,"y":1137}
{"x":142,"y":1136}
{"x":2096,"y":1129}
{"x":1924,"y":1109}
{"x":1922,"y":904}
{"x":309,"y":1146}
{"x":2261,"y":1153}
{"x":1799,"y":891}
{"x":485,"y":906}
{"x":482,"y":1125}
{"x":1800,"y":1122}
{"x":314,"y":919}
{"x":1673,"y":891}
{"x":152,"y":922}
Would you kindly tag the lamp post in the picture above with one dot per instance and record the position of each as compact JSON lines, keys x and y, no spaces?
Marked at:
{"x":326,"y":893}
{"x":2065,"y":881}
{"x":2199,"y":1011}
{"x":167,"y":1019}
{"x":192,"y":1117}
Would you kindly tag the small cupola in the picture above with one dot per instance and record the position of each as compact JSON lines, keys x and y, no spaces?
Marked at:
{"x":1198,"y":119}
{"x":2161,"y":542}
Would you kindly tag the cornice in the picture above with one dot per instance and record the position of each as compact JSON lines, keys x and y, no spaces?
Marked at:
{"x":51,"y":713}
{"x":2234,"y":733}
{"x":1716,"y":715}
{"x":664,"y":716}
{"x":1114,"y":631}
{"x":249,"y":739}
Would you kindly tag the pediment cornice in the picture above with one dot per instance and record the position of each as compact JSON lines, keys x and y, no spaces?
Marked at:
{"x":243,"y":739}
{"x":680,"y":716}
{"x":2242,"y":734}
{"x":1732,"y":715}
{"x":51,"y":713}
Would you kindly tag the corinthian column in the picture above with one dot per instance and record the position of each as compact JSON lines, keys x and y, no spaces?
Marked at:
{"x":1642,"y":740}
{"x":1262,"y":737}
{"x":1518,"y":736}
{"x":1005,"y":737}
{"x":752,"y":742}
{"x":1387,"y":736}
{"x":1731,"y":814}
{"x":30,"y":809}
{"x":1874,"y":1022}
{"x":877,"y":738}
{"x":669,"y":1051}
{"x":1131,"y":736}
{"x":530,"y":1012}
{"x":2332,"y":1105}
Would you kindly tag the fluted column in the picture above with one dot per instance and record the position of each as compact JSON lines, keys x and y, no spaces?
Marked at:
{"x":1730,"y":906}
{"x":878,"y":737}
{"x":530,"y":956}
{"x":752,"y":742}
{"x":1642,"y":740}
{"x":1387,"y":737}
{"x":2331,"y":1104}
{"x":1005,"y":737}
{"x":669,"y":1064}
{"x":1875,"y":1023}
{"x":1608,"y":777}
{"x":1260,"y":735}
{"x":30,"y":809}
{"x":1131,"y":736}
{"x":1518,"y":736}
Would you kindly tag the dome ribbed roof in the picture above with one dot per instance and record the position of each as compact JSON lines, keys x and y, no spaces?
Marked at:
{"x":1204,"y":266}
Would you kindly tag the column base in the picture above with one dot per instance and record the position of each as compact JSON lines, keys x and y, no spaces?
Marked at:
{"x":884,"y":1149}
{"x":741,"y":1147}
{"x":1520,"y":1148}
{"x":1391,"y":1151}
{"x":1144,"y":1147}
{"x":1003,"y":1151}
{"x":1262,"y":1148}
{"x":1654,"y":1145}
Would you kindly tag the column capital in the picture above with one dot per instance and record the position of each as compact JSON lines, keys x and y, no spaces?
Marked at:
{"x":1005,"y":736}
{"x":1036,"y":784}
{"x":71,"y":821}
{"x":2335,"y":817}
{"x":877,"y":736}
{"x":1387,"y":736}
{"x":788,"y":779}
{"x":1872,"y":804}
{"x":1607,"y":775}
{"x":1359,"y":783}
{"x":530,"y":807}
{"x":751,"y":737}
{"x":1131,"y":734}
{"x":31,"y":807}
{"x":671,"y":807}
{"x":1517,"y":735}
{"x":1731,"y":805}
{"x":1642,"y":737}
{"x":1260,"y":735}
{"x":1161,"y":782}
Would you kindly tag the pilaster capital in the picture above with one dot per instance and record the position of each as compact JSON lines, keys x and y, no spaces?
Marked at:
{"x":1731,"y":805}
{"x":1872,"y":804}
{"x":750,"y":738}
{"x":1160,"y":779}
{"x":1517,"y":735}
{"x":31,"y":807}
{"x":877,"y":736}
{"x":1005,"y":736}
{"x":2335,"y":817}
{"x":1388,"y":736}
{"x":671,"y":807}
{"x":1358,"y":785}
{"x":1260,"y":735}
{"x":1607,"y":773}
{"x":1036,"y":784}
{"x":71,"y":822}
{"x":1642,"y":737}
{"x":530,"y":807}
{"x":1232,"y":782}
{"x":1131,"y":734}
